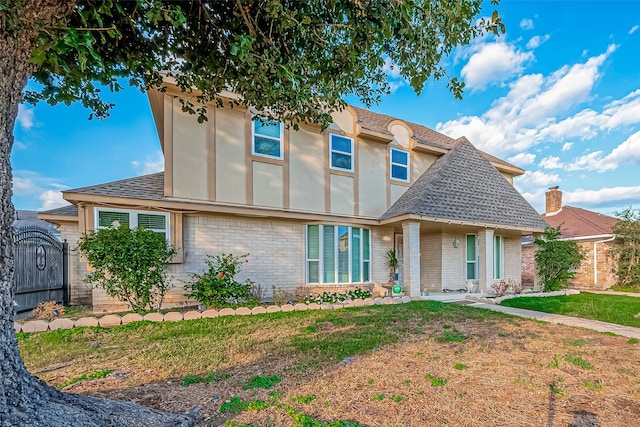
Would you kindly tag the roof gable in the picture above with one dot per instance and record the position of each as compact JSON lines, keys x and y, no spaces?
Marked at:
{"x":423,"y":135}
{"x":463,"y":185}
{"x":578,"y":222}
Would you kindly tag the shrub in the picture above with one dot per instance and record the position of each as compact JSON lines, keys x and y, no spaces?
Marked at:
{"x":217,"y":286}
{"x":334,"y":297}
{"x":556,"y":259}
{"x":279,"y":296}
{"x":504,"y":287}
{"x":626,"y":253}
{"x":129,"y":264}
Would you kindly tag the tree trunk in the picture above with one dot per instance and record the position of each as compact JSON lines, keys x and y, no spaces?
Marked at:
{"x":24,"y":399}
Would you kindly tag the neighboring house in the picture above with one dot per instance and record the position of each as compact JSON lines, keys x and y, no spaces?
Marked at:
{"x":30,"y":219}
{"x":593,"y":233}
{"x":316,"y":208}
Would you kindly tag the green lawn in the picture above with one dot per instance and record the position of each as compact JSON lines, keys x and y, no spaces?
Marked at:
{"x":619,"y":309}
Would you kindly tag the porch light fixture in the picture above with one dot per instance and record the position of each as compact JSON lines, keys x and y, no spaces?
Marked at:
{"x":456,"y":242}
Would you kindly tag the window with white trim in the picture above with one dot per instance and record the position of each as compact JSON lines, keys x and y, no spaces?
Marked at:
{"x":268,"y":137}
{"x":498,"y":257}
{"x":341,"y":152}
{"x":154,"y":221}
{"x":472,"y":257}
{"x":399,"y":165}
{"x":338,"y":254}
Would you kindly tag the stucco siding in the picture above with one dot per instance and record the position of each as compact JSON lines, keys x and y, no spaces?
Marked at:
{"x":267,"y":185}
{"x":308,"y":161}
{"x":396,"y":192}
{"x":189,"y":155}
{"x":230,"y":146}
{"x":342,"y":201}
{"x":372,"y":175}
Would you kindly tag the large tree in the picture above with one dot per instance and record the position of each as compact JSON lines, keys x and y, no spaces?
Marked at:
{"x":295,"y":60}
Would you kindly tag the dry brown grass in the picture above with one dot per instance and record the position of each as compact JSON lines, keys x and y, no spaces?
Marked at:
{"x":511,"y":366}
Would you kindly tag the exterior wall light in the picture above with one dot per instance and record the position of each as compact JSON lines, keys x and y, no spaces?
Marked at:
{"x":456,"y":242}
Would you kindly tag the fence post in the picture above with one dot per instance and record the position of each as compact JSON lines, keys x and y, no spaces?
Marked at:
{"x":65,"y":272}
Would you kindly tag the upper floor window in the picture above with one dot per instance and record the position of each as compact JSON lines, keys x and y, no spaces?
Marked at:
{"x":341,"y":152}
{"x":156,"y":221}
{"x":267,"y":139}
{"x":399,"y":165}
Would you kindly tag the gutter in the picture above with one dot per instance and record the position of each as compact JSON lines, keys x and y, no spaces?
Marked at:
{"x":595,"y":257}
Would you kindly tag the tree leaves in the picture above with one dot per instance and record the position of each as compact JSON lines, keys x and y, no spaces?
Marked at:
{"x":293,"y":62}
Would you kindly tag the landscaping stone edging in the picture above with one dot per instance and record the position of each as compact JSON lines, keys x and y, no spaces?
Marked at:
{"x":498,"y":300}
{"x":110,"y":320}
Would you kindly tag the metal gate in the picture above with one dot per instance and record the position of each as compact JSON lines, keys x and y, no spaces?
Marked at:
{"x":40,"y":269}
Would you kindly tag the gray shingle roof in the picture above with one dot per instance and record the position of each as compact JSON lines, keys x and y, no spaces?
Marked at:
{"x":423,"y":135}
{"x":69,"y":210}
{"x":463,"y":185}
{"x":147,"y":187}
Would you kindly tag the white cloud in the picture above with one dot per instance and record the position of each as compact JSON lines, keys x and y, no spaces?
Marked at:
{"x":551,"y":162}
{"x":527,"y":115}
{"x":633,"y":29}
{"x":536,"y":41}
{"x":611,"y":196}
{"x":391,"y":69}
{"x":25,"y":117}
{"x":493,"y":62}
{"x":24,"y":186}
{"x":526,"y":24}
{"x":51,"y":199}
{"x":395,"y":85}
{"x":522,"y":159}
{"x":151,"y":164}
{"x":626,"y":153}
{"x":567,"y":146}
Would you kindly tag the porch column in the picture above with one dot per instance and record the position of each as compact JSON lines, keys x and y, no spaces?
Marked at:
{"x":485,"y":257}
{"x":411,"y":254}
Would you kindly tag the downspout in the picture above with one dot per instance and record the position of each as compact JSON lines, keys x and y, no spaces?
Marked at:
{"x":595,"y":258}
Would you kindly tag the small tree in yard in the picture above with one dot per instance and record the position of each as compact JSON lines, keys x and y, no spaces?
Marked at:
{"x":218,"y":285}
{"x":129,"y":264}
{"x":626,"y":254}
{"x":556,"y":259}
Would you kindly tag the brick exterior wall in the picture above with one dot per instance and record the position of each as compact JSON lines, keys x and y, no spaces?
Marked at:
{"x":584,"y":274}
{"x":528,"y":264}
{"x":79,"y":291}
{"x":276,"y":256}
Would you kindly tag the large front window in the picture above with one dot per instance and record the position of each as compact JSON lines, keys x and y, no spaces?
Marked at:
{"x":338,"y":254}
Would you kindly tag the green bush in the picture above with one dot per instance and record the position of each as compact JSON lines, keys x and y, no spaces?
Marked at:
{"x":556,"y":259}
{"x":335,"y":297}
{"x":626,"y":252}
{"x":129,"y":264}
{"x":217,"y":286}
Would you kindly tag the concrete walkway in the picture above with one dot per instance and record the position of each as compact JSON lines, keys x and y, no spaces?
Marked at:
{"x":596,"y":325}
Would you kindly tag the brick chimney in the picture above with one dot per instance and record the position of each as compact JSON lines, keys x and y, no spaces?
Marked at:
{"x":553,"y":199}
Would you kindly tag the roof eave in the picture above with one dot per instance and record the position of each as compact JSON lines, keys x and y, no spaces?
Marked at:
{"x":468,"y":223}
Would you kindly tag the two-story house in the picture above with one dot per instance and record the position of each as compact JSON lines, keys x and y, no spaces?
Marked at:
{"x":312,"y":207}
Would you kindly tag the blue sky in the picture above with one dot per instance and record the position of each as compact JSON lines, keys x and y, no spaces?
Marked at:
{"x":558,"y":95}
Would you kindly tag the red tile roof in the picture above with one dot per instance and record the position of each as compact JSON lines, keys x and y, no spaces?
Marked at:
{"x":578,"y":222}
